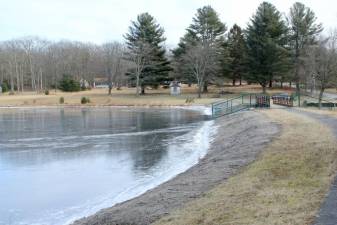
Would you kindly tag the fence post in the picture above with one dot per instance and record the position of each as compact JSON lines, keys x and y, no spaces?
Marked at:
{"x":250,"y":100}
{"x":212,"y":109}
{"x":231,"y":106}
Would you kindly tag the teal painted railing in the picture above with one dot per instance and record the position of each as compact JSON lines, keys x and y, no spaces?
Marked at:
{"x":242,"y":102}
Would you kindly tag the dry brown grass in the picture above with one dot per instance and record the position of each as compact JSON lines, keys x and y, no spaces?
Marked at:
{"x":126,"y":97}
{"x":285,"y":185}
{"x":100,"y":97}
{"x":328,"y":112}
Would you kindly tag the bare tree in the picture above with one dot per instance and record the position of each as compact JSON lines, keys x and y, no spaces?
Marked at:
{"x":113,"y":61}
{"x":140,"y":57}
{"x":201,"y":59}
{"x":322,"y":58}
{"x":32,"y":63}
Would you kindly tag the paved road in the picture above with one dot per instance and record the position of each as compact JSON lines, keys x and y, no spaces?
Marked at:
{"x":328,"y":212}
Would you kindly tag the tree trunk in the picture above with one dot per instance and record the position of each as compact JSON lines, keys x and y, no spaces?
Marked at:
{"x":240,"y":80}
{"x":137,"y":85}
{"x":298,"y":93}
{"x":143,"y":90}
{"x":11,"y":79}
{"x":234,"y":82}
{"x":41,"y":84}
{"x":320,"y":97}
{"x":17,"y":78}
{"x":199,"y":90}
{"x":270,"y":83}
{"x":205,"y":89}
{"x":22,"y":79}
{"x":264,"y":88}
{"x":281,"y":84}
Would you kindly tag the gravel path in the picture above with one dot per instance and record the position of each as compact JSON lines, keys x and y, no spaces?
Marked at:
{"x":328,"y":212}
{"x":239,"y":140}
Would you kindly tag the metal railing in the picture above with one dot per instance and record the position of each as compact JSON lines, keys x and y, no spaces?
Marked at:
{"x":242,"y":102}
{"x":309,"y":100}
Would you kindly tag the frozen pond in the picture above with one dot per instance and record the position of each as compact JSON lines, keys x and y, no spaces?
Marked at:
{"x":57,"y":165}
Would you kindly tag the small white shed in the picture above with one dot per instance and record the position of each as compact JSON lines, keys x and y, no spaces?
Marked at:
{"x":175,"y":88}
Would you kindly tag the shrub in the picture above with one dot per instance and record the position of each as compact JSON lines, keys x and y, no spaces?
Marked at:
{"x":85,"y":100}
{"x":61,"y":100}
{"x":4,"y":87}
{"x":189,"y":100}
{"x":46,"y":92}
{"x":305,"y":103}
{"x":324,"y":104}
{"x":68,"y":84}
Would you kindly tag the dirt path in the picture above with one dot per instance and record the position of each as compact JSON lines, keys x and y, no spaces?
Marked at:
{"x":328,"y":212}
{"x":240,"y":138}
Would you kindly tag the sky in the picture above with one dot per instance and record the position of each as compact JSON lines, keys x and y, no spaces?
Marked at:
{"x":100,"y":21}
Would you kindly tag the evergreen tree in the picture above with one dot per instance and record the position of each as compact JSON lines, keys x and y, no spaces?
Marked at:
{"x":146,"y":32}
{"x":181,"y":71}
{"x":207,"y":26}
{"x":266,"y":41}
{"x":206,"y":31}
{"x":303,"y":33}
{"x":236,"y":47}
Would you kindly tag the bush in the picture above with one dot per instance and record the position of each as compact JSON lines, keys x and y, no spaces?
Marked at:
{"x":46,"y":92}
{"x":189,"y":100}
{"x":305,"y":103}
{"x":68,"y":84}
{"x":324,"y":104}
{"x":4,"y":87}
{"x":61,"y":100}
{"x":85,"y":100}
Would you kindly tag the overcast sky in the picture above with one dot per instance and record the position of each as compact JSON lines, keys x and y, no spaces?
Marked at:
{"x":105,"y":20}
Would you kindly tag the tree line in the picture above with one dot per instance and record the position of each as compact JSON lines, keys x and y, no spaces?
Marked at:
{"x":273,"y":48}
{"x":32,"y":63}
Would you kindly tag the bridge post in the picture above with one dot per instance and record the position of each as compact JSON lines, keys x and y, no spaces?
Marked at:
{"x":212,"y":109}
{"x":250,"y":100}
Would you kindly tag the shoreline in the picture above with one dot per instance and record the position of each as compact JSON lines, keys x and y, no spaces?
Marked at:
{"x":101,"y":106}
{"x":205,"y":110}
{"x":238,"y":142}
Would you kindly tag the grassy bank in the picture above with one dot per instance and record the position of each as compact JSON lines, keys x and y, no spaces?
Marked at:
{"x":286,"y":185}
{"x":126,"y":97}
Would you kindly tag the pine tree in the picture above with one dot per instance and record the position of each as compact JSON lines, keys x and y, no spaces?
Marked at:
{"x":181,"y":71}
{"x":236,"y":47}
{"x":207,"y":26}
{"x":266,"y":40}
{"x":303,"y":33}
{"x":146,"y":33}
{"x":206,"y":31}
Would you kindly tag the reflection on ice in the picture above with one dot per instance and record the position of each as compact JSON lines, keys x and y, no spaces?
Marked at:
{"x":58,"y":165}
